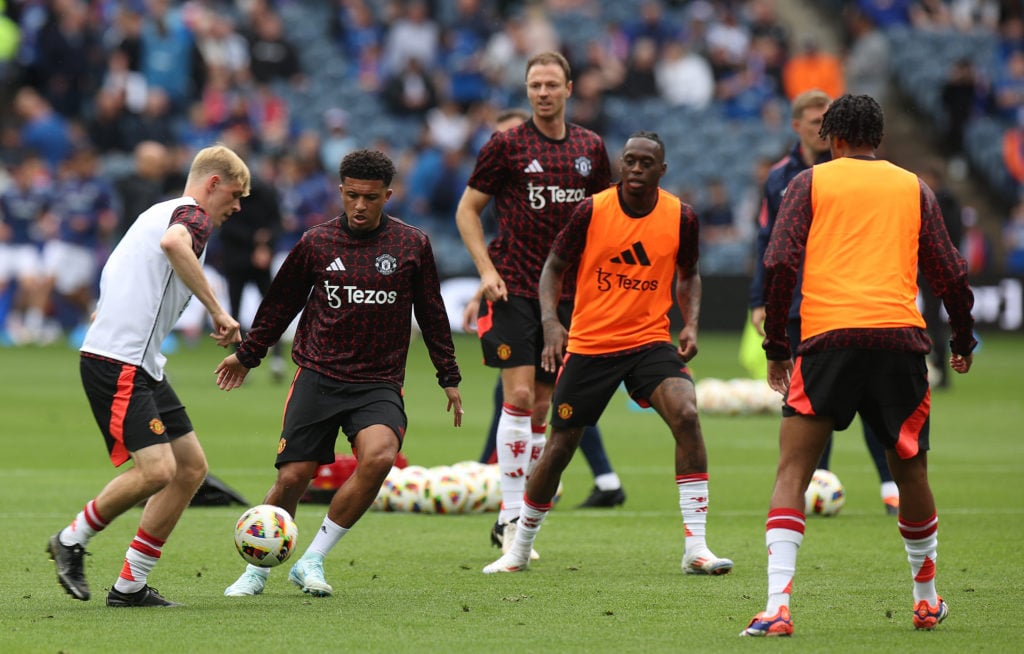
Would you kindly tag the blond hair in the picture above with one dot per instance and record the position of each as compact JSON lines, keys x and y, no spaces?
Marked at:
{"x":219,"y":160}
{"x":813,"y":98}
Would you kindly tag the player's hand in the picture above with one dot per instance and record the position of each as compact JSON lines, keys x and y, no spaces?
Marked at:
{"x":687,"y":343}
{"x":230,"y":373}
{"x":961,"y":364}
{"x":555,"y":339}
{"x":471,"y":312}
{"x":493,"y":287}
{"x":454,"y":404}
{"x":226,"y":330}
{"x":778,"y":375}
{"x":757,"y":320}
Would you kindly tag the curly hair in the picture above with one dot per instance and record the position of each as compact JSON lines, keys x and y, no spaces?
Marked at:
{"x":367,"y":164}
{"x":857,"y":119}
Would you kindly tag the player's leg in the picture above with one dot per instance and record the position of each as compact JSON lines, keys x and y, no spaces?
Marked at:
{"x":374,"y":423}
{"x":675,"y":401}
{"x":607,"y":490}
{"x":801,"y":439}
{"x":521,"y":532}
{"x":159,"y":517}
{"x":889,"y":490}
{"x":489,"y":455}
{"x":514,"y":438}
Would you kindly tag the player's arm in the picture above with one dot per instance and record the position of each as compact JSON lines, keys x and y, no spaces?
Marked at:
{"x":782,"y":261}
{"x":688,"y":287}
{"x":549,"y":292}
{"x":471,"y":228}
{"x":176,"y":244}
{"x":946,"y":272}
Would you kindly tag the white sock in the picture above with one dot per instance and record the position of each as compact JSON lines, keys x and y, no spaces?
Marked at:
{"x":139,"y":561}
{"x":326,"y":537}
{"x":921,"y":540}
{"x":531,"y":516}
{"x":608,"y":481}
{"x":513,"y":444}
{"x":890,"y":489}
{"x":693,"y":504}
{"x":86,"y":524}
{"x":784,"y":533}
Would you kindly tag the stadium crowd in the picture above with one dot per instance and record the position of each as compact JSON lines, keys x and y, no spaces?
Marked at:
{"x":106,"y":101}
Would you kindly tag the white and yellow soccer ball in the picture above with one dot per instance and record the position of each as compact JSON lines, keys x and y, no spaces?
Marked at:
{"x":266,"y":535}
{"x":825,"y":495}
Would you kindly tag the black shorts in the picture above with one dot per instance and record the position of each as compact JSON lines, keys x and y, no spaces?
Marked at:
{"x":888,"y":389}
{"x":319,"y":406}
{"x":586,"y":383}
{"x":132,"y":409}
{"x":511,"y":334}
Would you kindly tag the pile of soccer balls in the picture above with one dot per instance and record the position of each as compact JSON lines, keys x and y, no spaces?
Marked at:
{"x":464,"y":487}
{"x":736,"y":396}
{"x":824,"y":495}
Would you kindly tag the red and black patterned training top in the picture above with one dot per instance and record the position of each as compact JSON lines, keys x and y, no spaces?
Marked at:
{"x":536,"y":182}
{"x":357,"y":294}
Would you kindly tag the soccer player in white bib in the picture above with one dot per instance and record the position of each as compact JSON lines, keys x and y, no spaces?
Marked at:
{"x":150,"y":276}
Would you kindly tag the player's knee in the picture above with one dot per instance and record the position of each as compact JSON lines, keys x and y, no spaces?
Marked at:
{"x":157,"y":474}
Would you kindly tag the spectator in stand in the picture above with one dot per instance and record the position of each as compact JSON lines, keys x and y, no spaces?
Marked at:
{"x":885,"y":13}
{"x":413,"y":34}
{"x":964,"y":94}
{"x":505,"y":58}
{"x":641,"y":81}
{"x":410,"y":91}
{"x":337,"y":141}
{"x":155,"y":123}
{"x":867,"y":60}
{"x":105,"y":128}
{"x":684,"y":77}
{"x":651,"y":23}
{"x":23,"y":205}
{"x":42,"y":129}
{"x":69,"y":57}
{"x":144,"y":186}
{"x":272,"y":57}
{"x":86,"y":216}
{"x":356,"y":31}
{"x":463,"y":42}
{"x":587,"y":106}
{"x":1013,"y":239}
{"x":168,"y":52}
{"x":721,"y":249}
{"x":813,"y":68}
{"x":1008,"y":89}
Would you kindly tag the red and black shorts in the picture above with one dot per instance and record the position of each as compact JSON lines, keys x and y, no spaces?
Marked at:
{"x":132,"y":409}
{"x":587,"y":383}
{"x":511,"y":334}
{"x":318,"y":406}
{"x":888,"y":389}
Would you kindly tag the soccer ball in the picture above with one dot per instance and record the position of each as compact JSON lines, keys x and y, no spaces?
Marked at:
{"x":447,"y":490}
{"x":265,"y":535}
{"x":824,"y":495}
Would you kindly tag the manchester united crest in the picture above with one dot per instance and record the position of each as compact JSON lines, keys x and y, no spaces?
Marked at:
{"x":564,"y":411}
{"x":583,"y":166}
{"x":281,"y":445}
{"x":504,"y":352}
{"x":157,"y":426}
{"x":386,"y":264}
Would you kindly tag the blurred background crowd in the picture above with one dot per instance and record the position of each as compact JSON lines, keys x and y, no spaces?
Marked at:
{"x":104,"y":102}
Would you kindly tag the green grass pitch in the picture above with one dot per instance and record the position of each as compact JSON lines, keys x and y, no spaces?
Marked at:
{"x":608,"y":580}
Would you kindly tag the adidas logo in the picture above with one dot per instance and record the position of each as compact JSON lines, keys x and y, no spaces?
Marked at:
{"x":626,"y":256}
{"x":534,"y":167}
{"x":336,"y":265}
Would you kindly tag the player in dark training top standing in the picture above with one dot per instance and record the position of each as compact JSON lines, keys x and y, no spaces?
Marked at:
{"x":537,"y":173}
{"x":357,"y":279}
